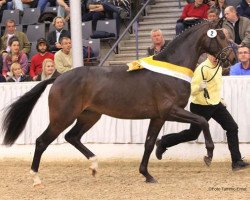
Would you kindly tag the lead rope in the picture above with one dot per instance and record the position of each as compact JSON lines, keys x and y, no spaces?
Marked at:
{"x":206,"y":94}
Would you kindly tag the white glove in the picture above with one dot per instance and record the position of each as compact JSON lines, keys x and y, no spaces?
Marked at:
{"x":203,"y":85}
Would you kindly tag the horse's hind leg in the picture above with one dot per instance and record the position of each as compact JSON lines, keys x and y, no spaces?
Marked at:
{"x":84,"y":122}
{"x":42,"y":142}
{"x":153,"y":131}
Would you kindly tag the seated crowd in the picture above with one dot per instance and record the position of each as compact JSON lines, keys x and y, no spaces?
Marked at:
{"x":15,"y":46}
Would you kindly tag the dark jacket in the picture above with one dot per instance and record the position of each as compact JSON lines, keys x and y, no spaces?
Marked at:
{"x":24,"y":78}
{"x":51,"y":39}
{"x":2,"y":78}
{"x":151,"y":50}
{"x":244,"y":9}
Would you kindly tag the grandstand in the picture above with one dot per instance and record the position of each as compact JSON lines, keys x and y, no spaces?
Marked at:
{"x":161,"y":14}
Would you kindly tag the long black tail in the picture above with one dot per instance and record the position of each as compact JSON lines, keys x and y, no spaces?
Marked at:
{"x":17,"y":114}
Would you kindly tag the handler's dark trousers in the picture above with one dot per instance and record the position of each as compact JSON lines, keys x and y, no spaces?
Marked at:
{"x":221,"y":115}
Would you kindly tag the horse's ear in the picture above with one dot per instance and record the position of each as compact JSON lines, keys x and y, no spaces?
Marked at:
{"x":219,"y":23}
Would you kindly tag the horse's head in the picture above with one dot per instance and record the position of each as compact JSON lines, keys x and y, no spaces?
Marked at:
{"x":217,"y":44}
{"x":205,"y":37}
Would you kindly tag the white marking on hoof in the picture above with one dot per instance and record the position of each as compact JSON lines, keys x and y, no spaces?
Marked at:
{"x":36,"y":179}
{"x":94,"y":165}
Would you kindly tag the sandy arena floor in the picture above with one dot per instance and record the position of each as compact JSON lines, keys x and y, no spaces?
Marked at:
{"x":66,"y":177}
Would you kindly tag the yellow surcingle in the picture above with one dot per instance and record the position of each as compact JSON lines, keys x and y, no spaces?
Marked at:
{"x":166,"y":68}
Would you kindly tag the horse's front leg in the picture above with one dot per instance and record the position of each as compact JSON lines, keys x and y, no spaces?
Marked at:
{"x":153,"y":131}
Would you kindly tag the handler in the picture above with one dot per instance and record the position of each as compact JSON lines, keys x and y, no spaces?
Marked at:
{"x":206,"y":102}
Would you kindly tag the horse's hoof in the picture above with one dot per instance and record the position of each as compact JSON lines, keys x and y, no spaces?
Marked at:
{"x":151,"y":180}
{"x":94,"y":165}
{"x":207,"y":160}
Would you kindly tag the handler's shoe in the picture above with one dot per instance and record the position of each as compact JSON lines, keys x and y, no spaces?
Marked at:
{"x":159,"y":149}
{"x":240,"y":165}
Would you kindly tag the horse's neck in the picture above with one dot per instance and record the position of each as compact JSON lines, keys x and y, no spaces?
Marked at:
{"x":185,"y":53}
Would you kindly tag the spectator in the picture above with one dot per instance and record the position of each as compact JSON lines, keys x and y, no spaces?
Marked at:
{"x":191,"y":14}
{"x":22,"y":4}
{"x":3,"y":6}
{"x":99,"y":9}
{"x":244,"y":8}
{"x":95,"y":12}
{"x":16,"y":73}
{"x":37,"y":60}
{"x":125,"y":5}
{"x":220,"y":5}
{"x":48,"y":70}
{"x":10,"y":32}
{"x":212,"y":14}
{"x":242,"y":67}
{"x":15,"y":55}
{"x":158,"y":41}
{"x":212,"y":107}
{"x":55,"y":35}
{"x":116,"y":9}
{"x":208,"y":2}
{"x":234,"y":3}
{"x":42,"y":4}
{"x":238,"y":27}
{"x":63,"y":58}
{"x":63,"y":8}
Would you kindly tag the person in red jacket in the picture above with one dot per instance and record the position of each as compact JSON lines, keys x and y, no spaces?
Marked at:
{"x":37,"y":60}
{"x":192,"y":13}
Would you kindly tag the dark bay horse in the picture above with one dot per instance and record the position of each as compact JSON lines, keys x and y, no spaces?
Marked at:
{"x":85,"y":93}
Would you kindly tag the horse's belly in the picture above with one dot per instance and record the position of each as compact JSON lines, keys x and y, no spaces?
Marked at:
{"x":127,"y":112}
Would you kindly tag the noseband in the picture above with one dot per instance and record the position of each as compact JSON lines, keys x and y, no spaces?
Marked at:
{"x":223,"y":55}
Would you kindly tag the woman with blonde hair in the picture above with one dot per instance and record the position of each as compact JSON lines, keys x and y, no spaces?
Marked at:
{"x":16,"y":74}
{"x":48,"y":71}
